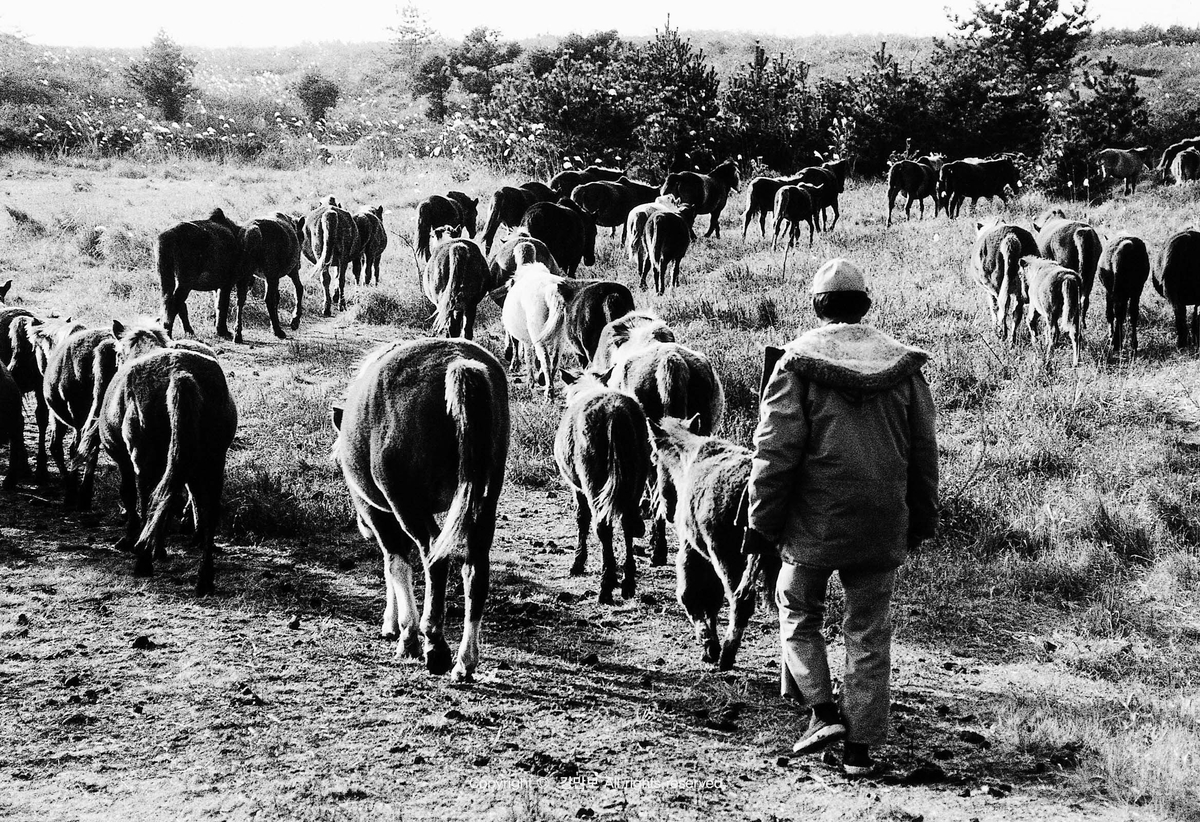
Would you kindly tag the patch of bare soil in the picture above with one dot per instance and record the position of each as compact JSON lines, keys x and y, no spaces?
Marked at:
{"x":123,"y":698}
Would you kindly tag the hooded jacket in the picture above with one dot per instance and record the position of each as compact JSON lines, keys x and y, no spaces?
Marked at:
{"x":845,"y":464}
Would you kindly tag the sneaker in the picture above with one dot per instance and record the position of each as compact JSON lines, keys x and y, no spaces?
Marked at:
{"x":871,"y":768}
{"x":819,"y":735}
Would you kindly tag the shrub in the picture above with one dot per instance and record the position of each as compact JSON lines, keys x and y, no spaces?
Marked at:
{"x":317,"y":94}
{"x":164,"y":76}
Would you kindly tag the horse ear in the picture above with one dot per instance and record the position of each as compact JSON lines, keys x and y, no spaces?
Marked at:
{"x":118,"y":328}
{"x":1037,"y":229}
{"x":4,"y":289}
{"x":335,"y":417}
{"x":693,"y":423}
{"x":607,"y":375}
{"x":475,"y":202}
{"x":567,"y":377}
{"x":656,"y":430}
{"x":978,"y":226}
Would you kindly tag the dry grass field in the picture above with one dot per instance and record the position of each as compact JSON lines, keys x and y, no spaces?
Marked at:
{"x":1048,"y":641}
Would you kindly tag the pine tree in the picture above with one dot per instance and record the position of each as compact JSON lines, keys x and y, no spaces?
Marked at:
{"x":163,"y":76}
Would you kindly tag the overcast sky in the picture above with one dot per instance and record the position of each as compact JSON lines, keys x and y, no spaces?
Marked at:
{"x":240,"y":23}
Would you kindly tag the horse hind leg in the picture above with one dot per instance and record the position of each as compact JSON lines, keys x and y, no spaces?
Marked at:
{"x":699,"y":592}
{"x":401,"y":618}
{"x":476,"y":580}
{"x":631,"y":526}
{"x":583,"y":521}
{"x":608,"y":570}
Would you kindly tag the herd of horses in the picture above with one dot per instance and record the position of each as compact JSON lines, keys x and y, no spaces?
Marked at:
{"x":423,"y":435}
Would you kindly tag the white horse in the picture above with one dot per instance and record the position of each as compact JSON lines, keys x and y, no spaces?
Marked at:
{"x":535,"y":313}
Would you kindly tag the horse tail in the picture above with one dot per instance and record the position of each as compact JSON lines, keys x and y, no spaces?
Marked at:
{"x":493,"y":222}
{"x":183,"y":412}
{"x":612,"y":307}
{"x":469,"y":404}
{"x":607,"y":503}
{"x":423,"y":229}
{"x":450,"y":300}
{"x":556,"y":305}
{"x":1069,"y":289}
{"x":103,"y":366}
{"x":635,"y":236}
{"x":672,"y":376}
{"x":1087,"y":246}
{"x":1010,"y":262}
{"x":326,"y":238}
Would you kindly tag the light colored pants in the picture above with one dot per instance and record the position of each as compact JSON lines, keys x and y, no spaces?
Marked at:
{"x":867,"y":628}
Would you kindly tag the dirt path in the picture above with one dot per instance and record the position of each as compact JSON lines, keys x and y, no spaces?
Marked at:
{"x":127,"y":698}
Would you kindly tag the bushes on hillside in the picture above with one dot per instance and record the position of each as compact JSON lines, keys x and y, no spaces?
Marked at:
{"x":317,"y":94}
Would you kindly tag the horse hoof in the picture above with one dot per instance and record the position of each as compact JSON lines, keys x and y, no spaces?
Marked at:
{"x":461,"y":674}
{"x":279,"y":333}
{"x":143,"y":567}
{"x":658,"y":557}
{"x":628,"y":587}
{"x":606,"y":597}
{"x":42,"y":477}
{"x":577,"y":570}
{"x":437,"y":659}
{"x":205,"y":588}
{"x":711,"y":653}
{"x":389,"y":635}
{"x":727,"y":657}
{"x":295,"y":324}
{"x":237,"y":338}
{"x":224,"y":334}
{"x":124,"y":545}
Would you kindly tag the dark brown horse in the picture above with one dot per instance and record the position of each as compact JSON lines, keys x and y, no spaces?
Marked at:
{"x":454,"y":208}
{"x":330,"y":238}
{"x":12,"y":429}
{"x":593,"y":304}
{"x":456,"y":278}
{"x":611,"y":201}
{"x":509,"y":205}
{"x":271,"y":249}
{"x":199,"y":255}
{"x":706,"y":193}
{"x":423,"y":440}
{"x":568,"y":231}
{"x":830,"y":179}
{"x":1124,"y":268}
{"x":372,"y":241}
{"x":1177,"y":280}
{"x":760,"y":200}
{"x":916,"y":180}
{"x":565,"y":182}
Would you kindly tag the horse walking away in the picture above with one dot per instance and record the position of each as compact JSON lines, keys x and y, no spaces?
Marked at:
{"x":77,"y":376}
{"x":424,"y":434}
{"x":200,"y":255}
{"x":452,"y":208}
{"x":830,"y":181}
{"x":609,"y":202}
{"x":709,"y":476}
{"x":456,"y":278}
{"x":1124,"y":268}
{"x":667,"y":238}
{"x":372,"y":242}
{"x":564,"y":183}
{"x":509,"y":205}
{"x":794,"y":204}
{"x":635,"y":230}
{"x":535,"y":315}
{"x":568,"y":231}
{"x":270,"y":248}
{"x":995,"y":265}
{"x":1054,"y":293}
{"x":593,"y":304}
{"x":329,"y":239}
{"x":1075,"y":245}
{"x":916,"y":180}
{"x":602,"y":450}
{"x":760,"y":200}
{"x":1177,"y":280}
{"x":167,"y":421}
{"x":705,"y":193}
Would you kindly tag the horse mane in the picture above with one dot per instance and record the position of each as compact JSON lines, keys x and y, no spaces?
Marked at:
{"x":657,"y":328}
{"x":218,"y":216}
{"x":727,"y":173}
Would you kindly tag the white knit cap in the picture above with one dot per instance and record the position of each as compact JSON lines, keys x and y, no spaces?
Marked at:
{"x":839,"y":275}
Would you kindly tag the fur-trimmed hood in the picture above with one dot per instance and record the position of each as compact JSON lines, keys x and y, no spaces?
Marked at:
{"x":851,"y":356}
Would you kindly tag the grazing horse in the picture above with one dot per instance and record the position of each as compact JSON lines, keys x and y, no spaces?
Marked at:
{"x":509,"y":205}
{"x":12,"y":429}
{"x":1123,"y":164}
{"x":710,"y":476}
{"x":329,"y":239}
{"x":668,"y":379}
{"x":916,"y":180}
{"x":271,"y":249}
{"x":1075,"y":245}
{"x":1124,"y":268}
{"x":592,"y":306}
{"x":167,"y":422}
{"x":976,"y":178}
{"x":830,"y":180}
{"x":453,"y":208}
{"x":456,"y":278}
{"x":568,"y":231}
{"x":794,"y":204}
{"x":1054,"y":295}
{"x":1185,"y":168}
{"x":565,"y":182}
{"x":199,"y":255}
{"x":372,"y":241}
{"x":78,"y":374}
{"x":611,"y":202}
{"x":705,"y":193}
{"x":1177,"y":280}
{"x":602,"y":450}
{"x":535,"y":315}
{"x":760,"y":200}
{"x":996,"y":266}
{"x":424,"y":433}
{"x":667,"y":238}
